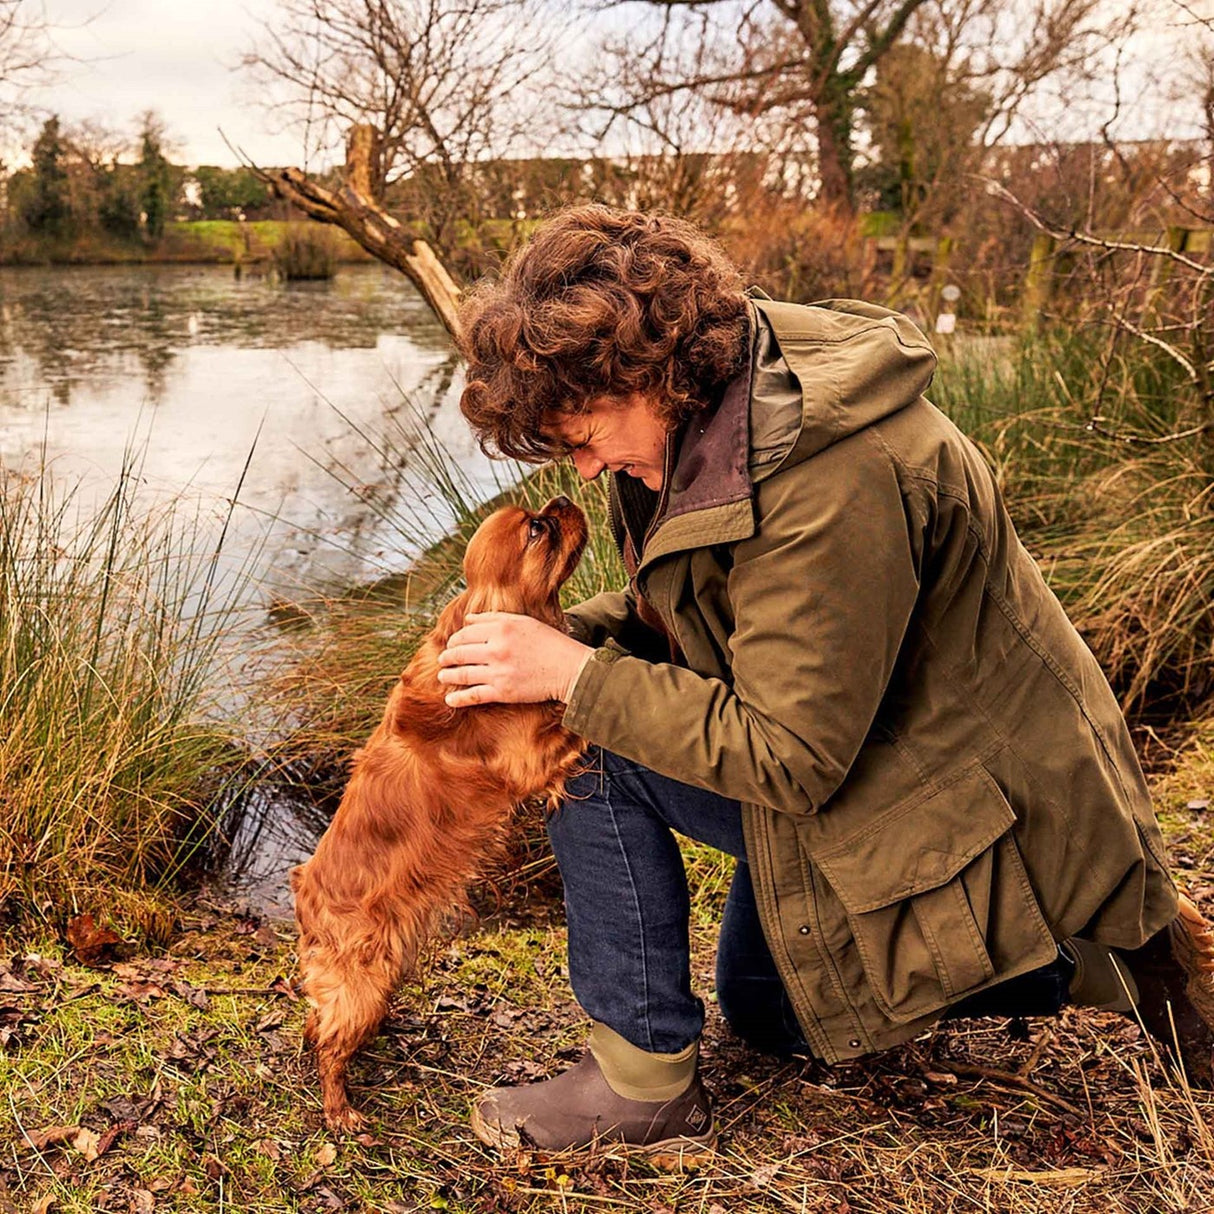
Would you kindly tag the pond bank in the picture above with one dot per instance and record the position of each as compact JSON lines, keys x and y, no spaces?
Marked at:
{"x":249,"y":244}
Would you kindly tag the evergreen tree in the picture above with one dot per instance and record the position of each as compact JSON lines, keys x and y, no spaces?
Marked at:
{"x":47,"y":209}
{"x":155,"y":177}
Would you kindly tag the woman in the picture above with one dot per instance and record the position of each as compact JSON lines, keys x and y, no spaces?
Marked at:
{"x":833,"y":660}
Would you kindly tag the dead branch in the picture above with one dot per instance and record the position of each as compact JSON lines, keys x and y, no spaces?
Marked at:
{"x":1067,"y":232}
{"x":354,"y":209}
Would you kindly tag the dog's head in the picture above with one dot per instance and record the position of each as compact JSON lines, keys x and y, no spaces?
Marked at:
{"x":519,"y":559}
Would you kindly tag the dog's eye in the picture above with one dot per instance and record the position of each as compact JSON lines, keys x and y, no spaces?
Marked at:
{"x":535,"y":530}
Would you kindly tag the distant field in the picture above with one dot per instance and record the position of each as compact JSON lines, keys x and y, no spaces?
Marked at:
{"x":204,"y":240}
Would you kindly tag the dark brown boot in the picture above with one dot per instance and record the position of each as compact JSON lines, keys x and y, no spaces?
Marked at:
{"x":579,"y":1109}
{"x":1174,"y":973}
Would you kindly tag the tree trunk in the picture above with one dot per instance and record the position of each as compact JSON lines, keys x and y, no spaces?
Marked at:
{"x":835,"y":155}
{"x":354,"y":209}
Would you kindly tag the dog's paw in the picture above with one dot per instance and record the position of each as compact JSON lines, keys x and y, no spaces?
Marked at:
{"x":346,"y":1120}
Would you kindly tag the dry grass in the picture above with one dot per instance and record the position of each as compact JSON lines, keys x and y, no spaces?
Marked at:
{"x":110,"y":613}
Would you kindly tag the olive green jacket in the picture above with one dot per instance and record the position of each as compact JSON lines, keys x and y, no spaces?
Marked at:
{"x":937,"y":781}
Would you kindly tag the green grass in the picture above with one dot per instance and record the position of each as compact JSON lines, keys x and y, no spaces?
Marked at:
{"x":111,"y":749}
{"x":1121,"y":522}
{"x":185,"y":242}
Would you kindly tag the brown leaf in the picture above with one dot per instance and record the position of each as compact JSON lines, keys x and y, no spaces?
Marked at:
{"x":269,"y":1148}
{"x":326,"y":1155}
{"x":9,"y":982}
{"x":141,"y":992}
{"x":110,"y":1136}
{"x":142,"y":1202}
{"x":92,"y":945}
{"x":213,"y":1168}
{"x":43,"y":1204}
{"x":271,"y":1020}
{"x":280,"y":986}
{"x":195,"y":996}
{"x":52,"y":1136}
{"x":87,"y":1142}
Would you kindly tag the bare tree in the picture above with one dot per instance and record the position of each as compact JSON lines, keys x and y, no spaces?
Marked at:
{"x":26,"y":53}
{"x":791,"y":65}
{"x":441,"y":82}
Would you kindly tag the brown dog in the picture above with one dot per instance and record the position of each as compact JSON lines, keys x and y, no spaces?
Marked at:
{"x":429,"y":800}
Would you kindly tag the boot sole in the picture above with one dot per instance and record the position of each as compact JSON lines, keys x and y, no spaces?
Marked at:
{"x":670,"y":1154}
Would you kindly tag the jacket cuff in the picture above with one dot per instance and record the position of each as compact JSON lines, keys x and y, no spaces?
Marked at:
{"x":586,"y":689}
{"x":575,"y":628}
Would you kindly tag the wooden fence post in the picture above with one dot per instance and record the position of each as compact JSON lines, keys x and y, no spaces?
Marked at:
{"x":1039,"y":280}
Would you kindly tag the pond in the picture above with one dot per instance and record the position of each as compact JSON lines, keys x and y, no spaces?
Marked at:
{"x":298,"y":394}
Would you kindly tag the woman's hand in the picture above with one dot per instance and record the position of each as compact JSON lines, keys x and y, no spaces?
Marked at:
{"x":501,"y":658}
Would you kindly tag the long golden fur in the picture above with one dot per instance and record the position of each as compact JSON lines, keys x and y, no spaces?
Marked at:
{"x":429,"y":800}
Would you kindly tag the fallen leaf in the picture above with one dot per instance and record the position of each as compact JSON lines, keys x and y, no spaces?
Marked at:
{"x":761,"y":1177}
{"x":326,"y":1155}
{"x":142,"y":1202}
{"x":112,"y":1135}
{"x":213,"y":1168}
{"x":946,"y":1078}
{"x":141,"y":992}
{"x":271,"y":1020}
{"x":280,"y":986}
{"x":88,"y":1142}
{"x":91,"y":944}
{"x":269,"y":1148}
{"x":195,"y":996}
{"x":43,"y":1204}
{"x":52,"y":1136}
{"x":1201,"y":803}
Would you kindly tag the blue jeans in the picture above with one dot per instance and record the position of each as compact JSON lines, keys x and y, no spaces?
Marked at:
{"x":627,"y":908}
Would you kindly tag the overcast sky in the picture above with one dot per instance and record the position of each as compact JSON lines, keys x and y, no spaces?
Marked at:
{"x":181,"y":58}
{"x":178,"y":57}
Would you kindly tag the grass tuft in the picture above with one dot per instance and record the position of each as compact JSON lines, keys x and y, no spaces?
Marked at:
{"x":110,"y":750}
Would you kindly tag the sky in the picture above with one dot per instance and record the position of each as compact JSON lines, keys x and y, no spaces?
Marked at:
{"x":181,"y":58}
{"x":178,"y":57}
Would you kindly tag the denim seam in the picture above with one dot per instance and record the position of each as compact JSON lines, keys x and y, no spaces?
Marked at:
{"x":636,"y":901}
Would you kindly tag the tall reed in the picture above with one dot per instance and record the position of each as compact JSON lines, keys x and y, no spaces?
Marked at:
{"x":111,"y":614}
{"x":1112,"y":489}
{"x":343,"y":666}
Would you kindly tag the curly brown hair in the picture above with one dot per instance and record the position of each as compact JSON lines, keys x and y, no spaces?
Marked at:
{"x":600,"y":303}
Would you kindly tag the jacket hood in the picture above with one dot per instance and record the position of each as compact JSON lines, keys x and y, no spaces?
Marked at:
{"x":818,"y":373}
{"x":824,"y":371}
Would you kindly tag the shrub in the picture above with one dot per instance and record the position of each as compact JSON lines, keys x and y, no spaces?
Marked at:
{"x":306,"y":251}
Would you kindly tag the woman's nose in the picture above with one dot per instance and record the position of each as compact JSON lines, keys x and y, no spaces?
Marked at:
{"x":587,"y":465}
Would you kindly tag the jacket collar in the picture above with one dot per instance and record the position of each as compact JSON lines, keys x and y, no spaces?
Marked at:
{"x":709,"y":499}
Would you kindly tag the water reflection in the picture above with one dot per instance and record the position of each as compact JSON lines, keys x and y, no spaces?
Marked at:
{"x":62,"y":328}
{"x":323,"y":401}
{"x":195,"y":369}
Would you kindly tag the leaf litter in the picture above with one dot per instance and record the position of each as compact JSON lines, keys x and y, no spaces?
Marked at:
{"x":162,"y":1082}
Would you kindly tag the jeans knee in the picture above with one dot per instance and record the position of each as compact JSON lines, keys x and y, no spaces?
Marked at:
{"x":758,"y":1011}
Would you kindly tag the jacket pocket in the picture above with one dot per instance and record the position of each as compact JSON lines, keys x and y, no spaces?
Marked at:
{"x":937,"y":897}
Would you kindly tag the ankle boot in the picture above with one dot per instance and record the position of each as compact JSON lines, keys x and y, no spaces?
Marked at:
{"x":1174,"y":973}
{"x":1167,"y":985}
{"x":653,"y":1103}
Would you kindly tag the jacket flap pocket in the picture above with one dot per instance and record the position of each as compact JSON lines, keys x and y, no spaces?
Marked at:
{"x":917,"y":847}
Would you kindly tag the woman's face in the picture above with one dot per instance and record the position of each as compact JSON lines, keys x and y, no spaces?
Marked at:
{"x":616,"y":434}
